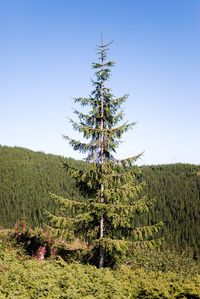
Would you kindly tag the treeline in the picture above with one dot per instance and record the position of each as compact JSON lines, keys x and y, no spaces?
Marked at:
{"x":27,"y":177}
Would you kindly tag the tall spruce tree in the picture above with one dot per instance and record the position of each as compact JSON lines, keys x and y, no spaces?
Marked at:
{"x":114,"y":196}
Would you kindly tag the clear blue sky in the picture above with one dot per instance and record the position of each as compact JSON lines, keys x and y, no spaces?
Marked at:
{"x":46,"y":51}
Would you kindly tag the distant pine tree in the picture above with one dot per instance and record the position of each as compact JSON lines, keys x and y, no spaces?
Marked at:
{"x":114,"y":195}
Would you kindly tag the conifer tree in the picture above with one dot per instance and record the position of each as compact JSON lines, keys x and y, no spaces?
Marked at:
{"x":114,"y":196}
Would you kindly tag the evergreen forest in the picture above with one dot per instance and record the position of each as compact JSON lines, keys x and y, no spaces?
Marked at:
{"x":27,"y":177}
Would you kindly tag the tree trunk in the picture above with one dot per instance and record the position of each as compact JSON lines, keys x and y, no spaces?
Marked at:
{"x":101,"y":228}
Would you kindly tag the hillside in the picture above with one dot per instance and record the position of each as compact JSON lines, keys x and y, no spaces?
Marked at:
{"x":26,"y":177}
{"x":177,"y":189}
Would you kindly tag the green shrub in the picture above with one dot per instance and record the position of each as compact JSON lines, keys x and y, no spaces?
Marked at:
{"x":22,"y":277}
{"x":32,"y":240}
{"x":150,"y":260}
{"x":164,"y":260}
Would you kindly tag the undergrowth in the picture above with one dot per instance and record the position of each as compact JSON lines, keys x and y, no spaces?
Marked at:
{"x":147,"y":275}
{"x":23,"y":277}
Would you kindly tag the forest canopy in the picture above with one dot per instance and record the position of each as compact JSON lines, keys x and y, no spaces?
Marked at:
{"x":27,"y":177}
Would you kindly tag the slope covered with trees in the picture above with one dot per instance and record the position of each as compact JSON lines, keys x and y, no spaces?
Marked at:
{"x":177,"y":189}
{"x":26,"y":177}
